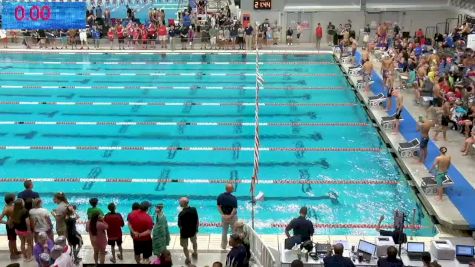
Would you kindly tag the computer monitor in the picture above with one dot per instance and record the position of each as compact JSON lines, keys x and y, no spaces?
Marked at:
{"x":461,"y":250}
{"x":366,"y":247}
{"x":417,"y":247}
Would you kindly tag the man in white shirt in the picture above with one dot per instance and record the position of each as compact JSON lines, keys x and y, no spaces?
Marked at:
{"x":83,"y":38}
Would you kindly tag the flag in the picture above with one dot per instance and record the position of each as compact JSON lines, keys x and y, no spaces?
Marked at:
{"x":259,"y":83}
{"x":259,"y":79}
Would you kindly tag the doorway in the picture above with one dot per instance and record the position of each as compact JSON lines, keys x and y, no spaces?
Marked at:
{"x":305,"y":20}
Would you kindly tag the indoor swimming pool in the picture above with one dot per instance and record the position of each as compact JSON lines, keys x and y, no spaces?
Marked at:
{"x":142,"y":126}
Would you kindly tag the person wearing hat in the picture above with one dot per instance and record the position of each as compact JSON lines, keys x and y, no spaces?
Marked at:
{"x":61,"y":241}
{"x":44,"y":260}
{"x":160,"y":233}
{"x":141,"y":225}
{"x":61,"y":259}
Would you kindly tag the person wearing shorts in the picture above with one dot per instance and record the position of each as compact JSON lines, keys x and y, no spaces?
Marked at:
{"x":120,"y":36}
{"x":162,"y":35}
{"x":141,"y":225}
{"x":83,"y":38}
{"x":22,"y":226}
{"x":11,"y":235}
{"x":114,"y":232}
{"x":441,"y":165}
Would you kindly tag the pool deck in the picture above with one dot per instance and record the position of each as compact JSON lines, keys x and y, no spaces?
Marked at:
{"x":445,"y":211}
{"x":209,"y":249}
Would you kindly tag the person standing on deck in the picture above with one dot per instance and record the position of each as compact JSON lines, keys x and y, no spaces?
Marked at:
{"x":424,"y":128}
{"x":441,"y":165}
{"x":227,"y":207}
{"x":318,"y":35}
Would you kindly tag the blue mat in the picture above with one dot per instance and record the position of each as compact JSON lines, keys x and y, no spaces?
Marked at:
{"x":462,"y":194}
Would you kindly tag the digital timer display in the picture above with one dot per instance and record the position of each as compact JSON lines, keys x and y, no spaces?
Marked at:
{"x":262,"y":4}
{"x":43,"y":15}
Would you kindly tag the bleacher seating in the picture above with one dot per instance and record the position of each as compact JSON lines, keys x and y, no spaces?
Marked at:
{"x":118,"y":8}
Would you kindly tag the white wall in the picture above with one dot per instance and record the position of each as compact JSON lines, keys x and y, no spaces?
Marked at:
{"x":408,"y":20}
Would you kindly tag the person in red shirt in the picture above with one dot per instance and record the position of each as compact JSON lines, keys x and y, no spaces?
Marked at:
{"x":130,"y":34}
{"x":144,"y":36}
{"x":162,"y":35}
{"x":114,"y":232}
{"x":419,"y":35}
{"x":152,"y":34}
{"x":141,"y":225}
{"x":120,"y":36}
{"x":110,"y":35}
{"x":318,"y":35}
{"x":136,"y":35}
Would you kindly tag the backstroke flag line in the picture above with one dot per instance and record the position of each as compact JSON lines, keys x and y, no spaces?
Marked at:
{"x":259,"y":83}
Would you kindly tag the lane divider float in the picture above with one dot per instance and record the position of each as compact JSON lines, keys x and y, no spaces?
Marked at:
{"x":154,"y":123}
{"x":194,"y":87}
{"x":170,"y":62}
{"x":171,"y":148}
{"x":88,"y":103}
{"x":340,"y":181}
{"x":167,"y":74}
{"x":316,"y":225}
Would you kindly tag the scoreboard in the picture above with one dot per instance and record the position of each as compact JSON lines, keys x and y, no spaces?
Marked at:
{"x":262,"y":4}
{"x":43,"y":15}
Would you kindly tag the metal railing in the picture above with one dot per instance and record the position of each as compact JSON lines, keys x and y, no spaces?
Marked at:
{"x":260,"y":252}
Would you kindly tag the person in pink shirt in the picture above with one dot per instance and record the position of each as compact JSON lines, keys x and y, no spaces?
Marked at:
{"x":96,"y":227}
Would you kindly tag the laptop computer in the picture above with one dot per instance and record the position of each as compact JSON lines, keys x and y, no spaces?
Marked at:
{"x":415,"y":250}
{"x":464,"y":254}
{"x":290,"y":242}
{"x":367,"y":249}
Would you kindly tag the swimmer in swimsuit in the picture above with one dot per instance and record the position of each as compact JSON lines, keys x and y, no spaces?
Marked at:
{"x":424,"y":142}
{"x":424,"y":128}
{"x":442,"y":165}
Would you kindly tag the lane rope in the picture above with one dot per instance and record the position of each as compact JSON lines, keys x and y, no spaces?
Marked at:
{"x":169,"y":62}
{"x":173,"y":87}
{"x":345,"y":181}
{"x":88,"y":103}
{"x":316,"y":225}
{"x":153,"y":123}
{"x":171,"y":148}
{"x":166,"y":74}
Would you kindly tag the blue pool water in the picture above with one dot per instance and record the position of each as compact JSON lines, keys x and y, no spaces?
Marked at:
{"x":181,"y":92}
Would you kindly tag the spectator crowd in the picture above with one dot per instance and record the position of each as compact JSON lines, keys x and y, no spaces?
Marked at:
{"x":219,"y":30}
{"x":51,"y":238}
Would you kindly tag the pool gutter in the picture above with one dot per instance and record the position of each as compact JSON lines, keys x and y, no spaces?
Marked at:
{"x":445,"y":221}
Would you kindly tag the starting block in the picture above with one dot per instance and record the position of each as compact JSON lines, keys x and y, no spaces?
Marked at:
{"x":376,"y":100}
{"x":355,"y":71}
{"x":346,"y":60}
{"x":360,"y":84}
{"x":429,"y":185}
{"x":409,"y":149}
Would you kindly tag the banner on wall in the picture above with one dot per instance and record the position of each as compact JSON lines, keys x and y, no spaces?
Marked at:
{"x":246,"y":19}
{"x":471,"y":41}
{"x":305,"y":25}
